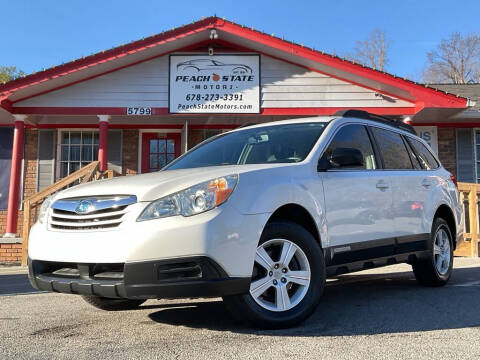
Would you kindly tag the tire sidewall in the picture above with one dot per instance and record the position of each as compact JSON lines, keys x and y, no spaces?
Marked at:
{"x":302,"y":238}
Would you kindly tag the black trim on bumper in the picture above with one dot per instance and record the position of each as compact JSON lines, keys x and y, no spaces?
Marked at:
{"x":376,"y":253}
{"x":176,"y":278}
{"x":375,"y":249}
{"x":340,"y":269}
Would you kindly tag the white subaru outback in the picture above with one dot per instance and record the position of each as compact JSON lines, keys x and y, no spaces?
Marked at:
{"x":260,"y":216}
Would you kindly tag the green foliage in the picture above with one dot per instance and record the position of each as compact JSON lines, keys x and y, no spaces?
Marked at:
{"x":8,"y":73}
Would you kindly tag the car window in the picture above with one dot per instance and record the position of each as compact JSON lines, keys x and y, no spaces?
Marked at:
{"x":413,"y":156}
{"x":427,"y":160}
{"x":392,"y":149}
{"x":353,"y":137}
{"x":288,"y":143}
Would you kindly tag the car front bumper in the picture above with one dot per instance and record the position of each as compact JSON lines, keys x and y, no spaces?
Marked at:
{"x":188,"y":277}
{"x":223,"y":234}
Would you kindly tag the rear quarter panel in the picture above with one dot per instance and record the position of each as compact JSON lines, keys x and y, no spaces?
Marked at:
{"x":444,"y":192}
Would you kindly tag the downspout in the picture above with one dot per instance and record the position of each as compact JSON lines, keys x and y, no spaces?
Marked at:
{"x":186,"y":135}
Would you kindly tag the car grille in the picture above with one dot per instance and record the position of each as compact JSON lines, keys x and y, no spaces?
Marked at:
{"x":104,"y":212}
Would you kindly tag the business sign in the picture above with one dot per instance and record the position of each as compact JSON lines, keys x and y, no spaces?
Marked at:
{"x":429,"y":134}
{"x":214,"y":84}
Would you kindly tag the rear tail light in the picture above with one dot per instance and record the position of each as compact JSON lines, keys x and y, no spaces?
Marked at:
{"x":454,"y":180}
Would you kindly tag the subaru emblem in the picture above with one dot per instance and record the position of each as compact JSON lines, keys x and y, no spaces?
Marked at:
{"x":84,"y":206}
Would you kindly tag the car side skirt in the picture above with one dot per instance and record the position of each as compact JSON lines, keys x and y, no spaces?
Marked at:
{"x":376,"y":253}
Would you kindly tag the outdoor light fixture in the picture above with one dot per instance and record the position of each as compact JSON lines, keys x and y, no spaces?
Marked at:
{"x":210,"y":51}
{"x":213,"y":34}
{"x":385,"y":97}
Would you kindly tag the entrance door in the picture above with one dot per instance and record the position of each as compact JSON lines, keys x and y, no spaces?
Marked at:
{"x":158,"y":150}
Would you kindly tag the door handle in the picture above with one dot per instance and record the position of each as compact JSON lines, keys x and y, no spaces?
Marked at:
{"x":426,"y":183}
{"x":382,"y":185}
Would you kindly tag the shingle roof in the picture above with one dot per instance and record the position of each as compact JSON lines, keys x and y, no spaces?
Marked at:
{"x":471,"y":91}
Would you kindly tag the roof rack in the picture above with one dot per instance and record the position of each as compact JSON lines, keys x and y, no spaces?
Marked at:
{"x":373,"y":117}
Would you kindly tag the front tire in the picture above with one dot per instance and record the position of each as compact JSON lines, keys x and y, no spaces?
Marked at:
{"x":437,"y":269}
{"x":112,"y":304}
{"x":287,"y":282}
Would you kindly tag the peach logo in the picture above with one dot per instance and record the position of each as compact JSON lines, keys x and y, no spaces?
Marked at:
{"x":215,"y":77}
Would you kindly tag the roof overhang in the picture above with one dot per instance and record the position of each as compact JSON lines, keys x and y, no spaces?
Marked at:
{"x":244,"y":39}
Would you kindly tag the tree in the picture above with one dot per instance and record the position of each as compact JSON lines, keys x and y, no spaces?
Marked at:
{"x":8,"y":73}
{"x":373,"y":51}
{"x":455,"y":60}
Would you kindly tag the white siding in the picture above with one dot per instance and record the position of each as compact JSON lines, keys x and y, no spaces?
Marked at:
{"x":287,"y":85}
{"x":146,"y":84}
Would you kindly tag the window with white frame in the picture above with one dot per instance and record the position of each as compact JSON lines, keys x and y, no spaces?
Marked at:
{"x":77,"y":149}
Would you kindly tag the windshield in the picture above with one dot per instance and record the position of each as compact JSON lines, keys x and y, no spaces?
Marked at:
{"x":262,"y":145}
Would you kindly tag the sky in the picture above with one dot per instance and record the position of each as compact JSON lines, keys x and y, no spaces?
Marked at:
{"x":37,"y":34}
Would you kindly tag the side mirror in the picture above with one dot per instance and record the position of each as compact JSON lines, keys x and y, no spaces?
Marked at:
{"x":342,"y":157}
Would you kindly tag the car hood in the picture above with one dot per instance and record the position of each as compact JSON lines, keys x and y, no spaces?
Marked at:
{"x":152,"y":186}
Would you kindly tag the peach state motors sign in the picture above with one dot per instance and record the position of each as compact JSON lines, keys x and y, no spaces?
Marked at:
{"x":214,"y":84}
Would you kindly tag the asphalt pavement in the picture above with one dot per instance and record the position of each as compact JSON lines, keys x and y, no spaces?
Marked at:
{"x":376,"y":314}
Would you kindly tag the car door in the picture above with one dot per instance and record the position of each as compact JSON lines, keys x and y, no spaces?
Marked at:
{"x":409,"y":196}
{"x":426,"y":180}
{"x":358,"y":200}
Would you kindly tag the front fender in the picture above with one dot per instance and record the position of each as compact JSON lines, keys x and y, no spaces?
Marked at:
{"x":294,"y":185}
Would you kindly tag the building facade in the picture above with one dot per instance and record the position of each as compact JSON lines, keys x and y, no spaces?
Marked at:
{"x":138,"y":106}
{"x":458,"y":136}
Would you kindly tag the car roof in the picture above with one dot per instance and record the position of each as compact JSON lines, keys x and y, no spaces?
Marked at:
{"x":322,"y":119}
{"x":327,"y":119}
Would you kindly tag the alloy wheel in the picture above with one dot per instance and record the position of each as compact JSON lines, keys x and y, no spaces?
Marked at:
{"x":281,"y":275}
{"x":441,"y":251}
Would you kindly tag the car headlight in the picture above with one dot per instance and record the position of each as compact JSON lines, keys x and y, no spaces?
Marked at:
{"x":194,"y":200}
{"x":44,"y":209}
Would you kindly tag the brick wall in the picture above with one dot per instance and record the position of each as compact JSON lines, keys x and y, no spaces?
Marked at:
{"x":195,"y":137}
{"x":30,"y":166}
{"x":3,"y":221}
{"x":130,"y":152}
{"x":10,"y":253}
{"x":447,"y":151}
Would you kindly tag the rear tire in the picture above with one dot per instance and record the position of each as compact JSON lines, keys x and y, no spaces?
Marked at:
{"x":436,"y":270}
{"x":112,"y":304}
{"x":287,"y":282}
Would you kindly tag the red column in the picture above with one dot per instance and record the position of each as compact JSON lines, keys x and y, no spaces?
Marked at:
{"x":15,"y":175}
{"x":103,"y":142}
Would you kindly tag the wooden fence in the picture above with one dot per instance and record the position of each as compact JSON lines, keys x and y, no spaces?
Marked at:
{"x":469,"y":198}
